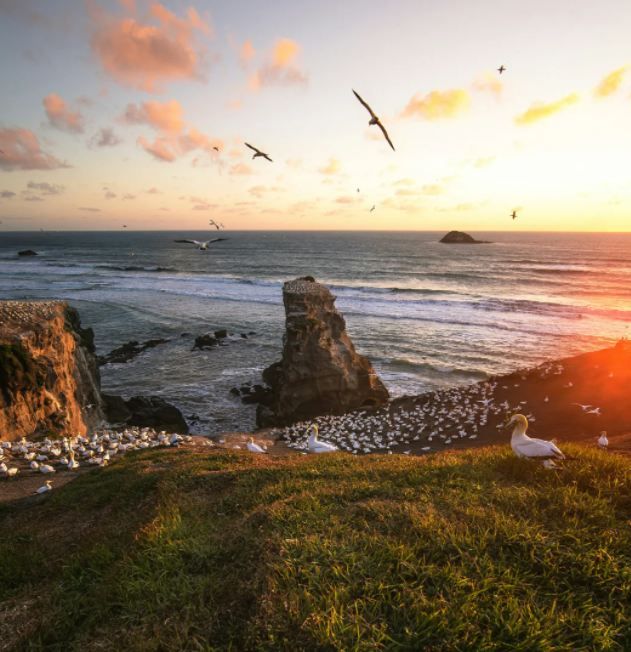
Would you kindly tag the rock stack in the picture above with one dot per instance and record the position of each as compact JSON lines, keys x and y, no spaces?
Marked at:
{"x":320,"y":371}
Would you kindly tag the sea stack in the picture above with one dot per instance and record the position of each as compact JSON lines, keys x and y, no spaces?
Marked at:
{"x":320,"y":371}
{"x":49,"y":379}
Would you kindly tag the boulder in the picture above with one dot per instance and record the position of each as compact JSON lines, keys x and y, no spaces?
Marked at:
{"x":27,"y":252}
{"x":206,"y":341}
{"x":221,"y":334}
{"x":459,"y":237}
{"x":116,"y":410}
{"x":320,"y":372}
{"x":128,"y":351}
{"x":155,"y":412}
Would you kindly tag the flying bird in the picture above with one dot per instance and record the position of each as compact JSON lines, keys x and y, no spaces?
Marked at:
{"x":372,"y":209}
{"x":525,"y":446}
{"x":216,"y":148}
{"x":374,"y":120}
{"x":201,"y":245}
{"x":501,"y":69}
{"x":258,"y":152}
{"x":213,"y":223}
{"x":513,"y":214}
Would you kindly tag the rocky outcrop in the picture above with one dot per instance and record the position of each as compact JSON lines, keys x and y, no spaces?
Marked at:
{"x":459,"y":237}
{"x":49,"y":380}
{"x":27,"y":252}
{"x":320,"y":371}
{"x":144,"y":411}
{"x":128,"y":351}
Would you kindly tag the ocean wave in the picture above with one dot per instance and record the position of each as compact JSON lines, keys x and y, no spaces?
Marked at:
{"x":136,"y":268}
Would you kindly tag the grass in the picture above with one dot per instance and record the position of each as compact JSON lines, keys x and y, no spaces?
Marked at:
{"x":171,"y":550}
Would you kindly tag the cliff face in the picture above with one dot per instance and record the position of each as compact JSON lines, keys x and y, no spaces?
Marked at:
{"x":49,"y":380}
{"x":320,"y":371}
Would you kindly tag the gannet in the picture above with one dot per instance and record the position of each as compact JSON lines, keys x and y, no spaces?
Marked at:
{"x":46,"y":468}
{"x":603,"y":442}
{"x":255,"y":448}
{"x":258,"y":152}
{"x":47,"y":487}
{"x":201,"y":245}
{"x":501,"y":69}
{"x":374,"y":120}
{"x":316,"y":446}
{"x":525,"y":446}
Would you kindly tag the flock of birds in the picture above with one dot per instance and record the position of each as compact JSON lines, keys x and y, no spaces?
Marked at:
{"x":374,"y":121}
{"x":50,"y":456}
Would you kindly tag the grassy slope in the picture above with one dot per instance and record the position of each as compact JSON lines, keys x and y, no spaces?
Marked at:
{"x":181,"y":550}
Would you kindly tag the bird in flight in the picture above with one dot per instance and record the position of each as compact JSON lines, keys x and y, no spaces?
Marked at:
{"x":513,"y":214}
{"x":374,"y":120}
{"x":501,"y":69}
{"x":213,"y":223}
{"x":124,"y":226}
{"x":216,"y":148}
{"x":258,"y":152}
{"x":203,"y":245}
{"x":372,"y":209}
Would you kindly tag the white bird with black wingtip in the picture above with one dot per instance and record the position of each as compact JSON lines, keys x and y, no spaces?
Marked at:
{"x":525,"y":446}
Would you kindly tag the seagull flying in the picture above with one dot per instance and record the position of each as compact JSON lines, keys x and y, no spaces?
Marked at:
{"x":258,"y":152}
{"x":513,"y":214}
{"x":202,"y":246}
{"x":372,"y":209}
{"x":501,"y":69}
{"x":525,"y":446}
{"x":213,"y":223}
{"x":374,"y":120}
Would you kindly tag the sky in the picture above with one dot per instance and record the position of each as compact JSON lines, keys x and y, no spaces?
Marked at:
{"x":135,"y":113}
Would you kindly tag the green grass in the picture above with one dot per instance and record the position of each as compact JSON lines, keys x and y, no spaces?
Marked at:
{"x":170,"y":550}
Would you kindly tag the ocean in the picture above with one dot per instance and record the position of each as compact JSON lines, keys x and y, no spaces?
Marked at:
{"x":428,"y":315}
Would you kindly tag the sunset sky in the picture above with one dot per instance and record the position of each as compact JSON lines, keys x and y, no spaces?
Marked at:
{"x":110,"y":112}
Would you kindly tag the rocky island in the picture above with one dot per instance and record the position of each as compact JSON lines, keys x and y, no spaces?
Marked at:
{"x":459,"y":237}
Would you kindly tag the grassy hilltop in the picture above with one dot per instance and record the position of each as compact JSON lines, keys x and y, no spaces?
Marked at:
{"x":474,"y":550}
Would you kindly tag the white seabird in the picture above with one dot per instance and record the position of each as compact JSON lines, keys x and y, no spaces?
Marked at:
{"x":255,"y":448}
{"x":202,"y":245}
{"x":47,"y":487}
{"x":603,"y":442}
{"x":525,"y":446}
{"x":374,"y":120}
{"x":316,"y":446}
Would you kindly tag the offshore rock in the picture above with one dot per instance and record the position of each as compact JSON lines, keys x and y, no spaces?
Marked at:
{"x":320,"y":372}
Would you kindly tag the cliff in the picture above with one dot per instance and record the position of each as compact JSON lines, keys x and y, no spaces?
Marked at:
{"x":49,"y":380}
{"x":320,"y":372}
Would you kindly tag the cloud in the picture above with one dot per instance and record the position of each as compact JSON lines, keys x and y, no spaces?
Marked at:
{"x":438,"y":104}
{"x":405,"y":182}
{"x":153,"y":191}
{"x":246,"y":53}
{"x":105,"y":137}
{"x":160,"y":148}
{"x":483,"y":161}
{"x":148,"y":54}
{"x":128,"y":196}
{"x":162,"y":116}
{"x":539,"y":111}
{"x":240,"y":169}
{"x":433,"y":189}
{"x":7,"y":194}
{"x":109,"y":194}
{"x":346,"y":199}
{"x":89,"y":209}
{"x":45,"y":188}
{"x":333,"y":167}
{"x":280,"y":68}
{"x":489,"y":83}
{"x":61,"y":116}
{"x":611,"y":83}
{"x":20,"y":150}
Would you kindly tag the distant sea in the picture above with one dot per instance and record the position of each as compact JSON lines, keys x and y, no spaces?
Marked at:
{"x":428,"y":315}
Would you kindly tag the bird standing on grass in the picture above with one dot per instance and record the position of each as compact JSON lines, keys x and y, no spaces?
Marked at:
{"x":316,"y":446}
{"x":525,"y":446}
{"x":603,"y":442}
{"x":255,"y":448}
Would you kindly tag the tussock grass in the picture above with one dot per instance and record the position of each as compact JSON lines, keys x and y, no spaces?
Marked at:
{"x":475,"y":550}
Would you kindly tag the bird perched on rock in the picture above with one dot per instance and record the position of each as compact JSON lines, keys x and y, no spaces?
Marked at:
{"x":525,"y":446}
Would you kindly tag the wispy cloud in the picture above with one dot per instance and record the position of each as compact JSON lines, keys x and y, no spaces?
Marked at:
{"x":89,"y":209}
{"x":611,"y":82}
{"x":162,"y":116}
{"x":7,"y":194}
{"x":61,"y":116}
{"x":539,"y":111}
{"x":332,"y":168}
{"x":240,"y":169}
{"x":280,"y":67}
{"x":20,"y":150}
{"x":146,"y":55}
{"x":489,"y":82}
{"x":45,"y":188}
{"x":437,"y":105}
{"x":246,"y":53}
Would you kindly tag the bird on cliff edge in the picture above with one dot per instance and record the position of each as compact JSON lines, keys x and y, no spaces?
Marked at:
{"x":315,"y":445}
{"x":525,"y":446}
{"x":201,"y":245}
{"x":603,"y":441}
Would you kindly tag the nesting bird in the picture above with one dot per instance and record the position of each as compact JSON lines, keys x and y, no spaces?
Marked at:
{"x":525,"y":446}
